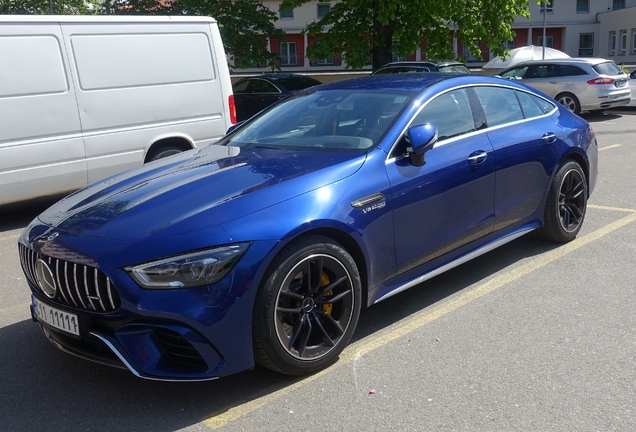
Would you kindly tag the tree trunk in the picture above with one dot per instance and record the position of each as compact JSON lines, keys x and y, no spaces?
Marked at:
{"x":381,"y":51}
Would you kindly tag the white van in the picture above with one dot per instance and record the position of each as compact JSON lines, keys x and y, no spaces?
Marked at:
{"x":84,"y":97}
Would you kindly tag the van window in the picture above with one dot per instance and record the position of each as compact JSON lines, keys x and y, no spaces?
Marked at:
{"x":106,"y":61}
{"x":39,"y":73}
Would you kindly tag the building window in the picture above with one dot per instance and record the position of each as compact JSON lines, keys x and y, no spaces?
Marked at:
{"x":618,"y":4}
{"x":509,"y":44}
{"x":287,"y":14}
{"x":582,"y":6}
{"x":468,"y":56}
{"x":323,"y":9}
{"x":288,"y":54}
{"x":549,"y":41}
{"x":586,"y":44}
{"x":623,"y":42}
{"x":612,"y":43}
{"x":546,"y":6}
{"x":634,"y":41}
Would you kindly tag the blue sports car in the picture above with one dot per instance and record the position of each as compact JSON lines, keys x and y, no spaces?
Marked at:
{"x":265,"y":247}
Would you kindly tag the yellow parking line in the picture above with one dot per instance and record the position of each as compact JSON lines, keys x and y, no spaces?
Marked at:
{"x":609,"y":147}
{"x":380,"y":339}
{"x":598,"y":207}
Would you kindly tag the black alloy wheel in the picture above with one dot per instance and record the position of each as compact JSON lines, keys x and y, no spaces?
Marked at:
{"x":308,"y":308}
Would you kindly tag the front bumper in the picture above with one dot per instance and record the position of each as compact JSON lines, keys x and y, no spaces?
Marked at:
{"x":189,"y":334}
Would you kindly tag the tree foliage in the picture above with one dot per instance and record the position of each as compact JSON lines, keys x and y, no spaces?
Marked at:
{"x":245,"y":25}
{"x":359,"y":29}
{"x":42,"y":7}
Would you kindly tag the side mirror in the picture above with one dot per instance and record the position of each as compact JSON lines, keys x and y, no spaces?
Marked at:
{"x":422,"y":138}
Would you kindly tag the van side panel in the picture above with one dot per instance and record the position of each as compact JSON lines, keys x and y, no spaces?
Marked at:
{"x":140,"y":82}
{"x":41,"y":146}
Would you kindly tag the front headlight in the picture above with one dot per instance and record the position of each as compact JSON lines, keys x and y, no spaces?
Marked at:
{"x":190,"y":270}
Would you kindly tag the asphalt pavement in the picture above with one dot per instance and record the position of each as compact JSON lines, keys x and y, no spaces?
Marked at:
{"x":533,"y":336}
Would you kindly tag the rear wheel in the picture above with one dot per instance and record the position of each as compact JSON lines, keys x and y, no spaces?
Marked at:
{"x":566,"y":204}
{"x":163,"y":152}
{"x":570,"y":102}
{"x":307,"y":308}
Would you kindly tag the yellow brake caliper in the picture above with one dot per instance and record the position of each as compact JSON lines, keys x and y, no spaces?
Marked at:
{"x":324,"y":281}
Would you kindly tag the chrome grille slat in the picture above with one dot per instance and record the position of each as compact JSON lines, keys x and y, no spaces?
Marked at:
{"x":68,"y":287}
{"x":59,"y":285}
{"x":69,"y":277}
{"x":110,"y":294}
{"x":77,"y":286}
{"x":88,"y":294}
{"x":99,"y":295}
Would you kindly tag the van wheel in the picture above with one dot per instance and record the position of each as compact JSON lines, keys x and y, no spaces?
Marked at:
{"x":162,"y":152}
{"x":570,"y":102}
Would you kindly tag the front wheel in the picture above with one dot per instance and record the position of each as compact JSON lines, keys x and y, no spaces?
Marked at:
{"x":307,"y":308}
{"x":566,"y":204}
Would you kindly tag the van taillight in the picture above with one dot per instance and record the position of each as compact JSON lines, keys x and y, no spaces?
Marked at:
{"x":601,"y":81}
{"x":232,"y":105}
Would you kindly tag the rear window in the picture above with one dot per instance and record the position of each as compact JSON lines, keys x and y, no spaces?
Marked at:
{"x":608,"y":68}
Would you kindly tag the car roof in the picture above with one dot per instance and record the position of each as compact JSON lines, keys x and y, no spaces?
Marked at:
{"x":425,"y":63}
{"x":585,"y":60}
{"x":408,"y":82}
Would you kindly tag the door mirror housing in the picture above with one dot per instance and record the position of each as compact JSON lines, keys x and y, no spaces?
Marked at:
{"x":422,"y":138}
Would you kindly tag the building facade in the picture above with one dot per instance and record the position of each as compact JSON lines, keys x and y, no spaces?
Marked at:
{"x":580,"y":28}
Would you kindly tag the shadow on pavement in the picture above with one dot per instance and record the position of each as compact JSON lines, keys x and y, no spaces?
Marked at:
{"x":46,"y":389}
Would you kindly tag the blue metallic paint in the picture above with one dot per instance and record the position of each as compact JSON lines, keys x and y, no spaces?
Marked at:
{"x":219,"y":195}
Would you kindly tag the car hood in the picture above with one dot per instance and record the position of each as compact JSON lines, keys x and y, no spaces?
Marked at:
{"x":195,"y":190}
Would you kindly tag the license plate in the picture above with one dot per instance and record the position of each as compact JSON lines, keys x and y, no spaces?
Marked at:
{"x":56,"y":318}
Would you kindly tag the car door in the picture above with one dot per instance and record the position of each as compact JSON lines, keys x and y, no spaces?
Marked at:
{"x":526,"y":142}
{"x":544,"y":77}
{"x":449,"y":201}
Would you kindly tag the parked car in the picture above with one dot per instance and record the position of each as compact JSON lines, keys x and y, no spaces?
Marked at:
{"x":632,"y":87}
{"x":265,"y":247}
{"x":85,"y":97}
{"x":254,"y":94}
{"x":579,"y":84}
{"x":423,"y":66}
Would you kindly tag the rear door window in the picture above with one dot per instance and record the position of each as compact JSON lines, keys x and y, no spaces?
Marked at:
{"x":569,"y":70}
{"x":500,"y":105}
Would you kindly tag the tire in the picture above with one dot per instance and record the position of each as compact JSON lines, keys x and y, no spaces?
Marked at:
{"x":307,"y":307}
{"x":566,"y":204}
{"x":570,"y":102}
{"x":163,"y":152}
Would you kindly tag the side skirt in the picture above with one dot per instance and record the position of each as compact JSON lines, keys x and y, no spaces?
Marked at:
{"x":458,"y":261}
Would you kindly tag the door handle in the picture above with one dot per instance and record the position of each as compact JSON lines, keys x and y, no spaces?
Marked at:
{"x":549,"y":138}
{"x":477,"y":157}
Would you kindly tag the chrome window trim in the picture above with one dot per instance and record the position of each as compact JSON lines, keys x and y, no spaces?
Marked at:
{"x":390,"y":159}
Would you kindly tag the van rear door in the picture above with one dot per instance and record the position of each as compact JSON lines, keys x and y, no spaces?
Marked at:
{"x":41,"y":146}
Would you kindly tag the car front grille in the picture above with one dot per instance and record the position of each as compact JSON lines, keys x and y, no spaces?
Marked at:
{"x":76,"y":285}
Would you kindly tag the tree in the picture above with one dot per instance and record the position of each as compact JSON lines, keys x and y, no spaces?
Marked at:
{"x":359,"y":29}
{"x":245,"y":25}
{"x":42,"y":7}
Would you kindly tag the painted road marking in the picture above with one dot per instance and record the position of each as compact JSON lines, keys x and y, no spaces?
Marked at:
{"x":400,"y":329}
{"x":609,"y":147}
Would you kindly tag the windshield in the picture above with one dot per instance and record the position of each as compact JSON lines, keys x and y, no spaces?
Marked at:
{"x":333,"y":119}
